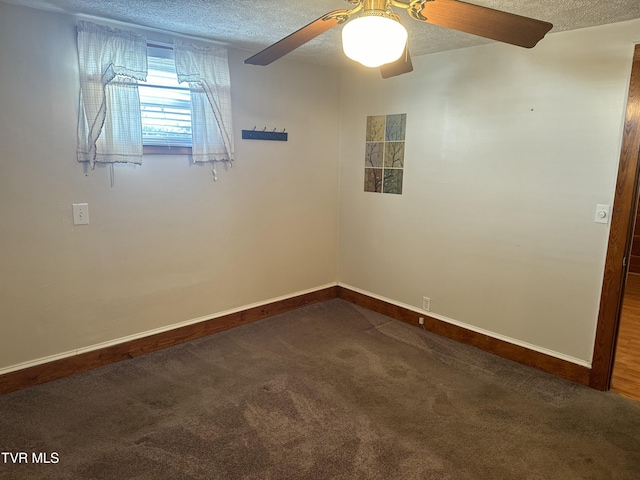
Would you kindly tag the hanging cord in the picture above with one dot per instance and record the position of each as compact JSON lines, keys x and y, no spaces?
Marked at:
{"x":112,"y":175}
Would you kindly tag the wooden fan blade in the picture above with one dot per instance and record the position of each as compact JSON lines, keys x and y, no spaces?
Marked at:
{"x":296,"y":39}
{"x":400,"y":66}
{"x":485,"y":22}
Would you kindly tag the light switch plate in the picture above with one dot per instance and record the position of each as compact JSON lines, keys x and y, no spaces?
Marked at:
{"x":602,"y":213}
{"x":80,"y":213}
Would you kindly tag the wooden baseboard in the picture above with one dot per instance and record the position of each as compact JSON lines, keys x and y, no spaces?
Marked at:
{"x":517,"y":353}
{"x":47,"y":372}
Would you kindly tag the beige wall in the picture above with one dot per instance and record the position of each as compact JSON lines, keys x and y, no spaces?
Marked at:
{"x":508,"y":152}
{"x":165,"y":244}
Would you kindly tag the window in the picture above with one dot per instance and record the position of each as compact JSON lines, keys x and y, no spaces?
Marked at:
{"x":165,"y":104}
{"x":158,"y":96}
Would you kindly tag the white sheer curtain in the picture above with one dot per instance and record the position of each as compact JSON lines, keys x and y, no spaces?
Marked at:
{"x":111,"y":62}
{"x":207,"y":72}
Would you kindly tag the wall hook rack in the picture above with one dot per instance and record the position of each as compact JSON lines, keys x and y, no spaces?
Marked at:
{"x":264,"y":135}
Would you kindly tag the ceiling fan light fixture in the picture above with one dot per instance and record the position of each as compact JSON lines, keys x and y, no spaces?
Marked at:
{"x":374,"y":38}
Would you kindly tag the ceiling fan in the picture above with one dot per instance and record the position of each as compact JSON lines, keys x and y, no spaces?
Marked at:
{"x":376,"y":37}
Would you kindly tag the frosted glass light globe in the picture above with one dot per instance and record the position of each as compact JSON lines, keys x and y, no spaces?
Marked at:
{"x":373,"y":40}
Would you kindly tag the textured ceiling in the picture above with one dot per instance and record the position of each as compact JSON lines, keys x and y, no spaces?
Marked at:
{"x":255,"y":24}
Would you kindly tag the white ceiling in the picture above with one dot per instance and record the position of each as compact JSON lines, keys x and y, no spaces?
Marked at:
{"x":254,"y":24}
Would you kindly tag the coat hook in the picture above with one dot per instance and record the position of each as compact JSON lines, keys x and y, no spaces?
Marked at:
{"x":273,"y":130}
{"x":254,"y":128}
{"x":283,"y":130}
{"x":264,"y":129}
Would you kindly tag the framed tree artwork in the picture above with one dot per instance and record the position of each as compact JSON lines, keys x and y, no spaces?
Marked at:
{"x":384,"y":153}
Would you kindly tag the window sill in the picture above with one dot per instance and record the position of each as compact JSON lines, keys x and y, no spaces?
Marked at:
{"x":157,"y":150}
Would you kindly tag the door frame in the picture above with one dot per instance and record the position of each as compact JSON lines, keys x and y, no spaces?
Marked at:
{"x":620,"y":237}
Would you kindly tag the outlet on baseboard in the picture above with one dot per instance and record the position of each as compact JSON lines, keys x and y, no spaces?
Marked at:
{"x":426,"y":304}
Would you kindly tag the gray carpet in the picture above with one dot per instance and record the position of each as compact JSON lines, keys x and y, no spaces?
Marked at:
{"x":328,"y":391}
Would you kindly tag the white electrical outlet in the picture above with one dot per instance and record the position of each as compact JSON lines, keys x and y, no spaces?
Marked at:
{"x":426,"y":304}
{"x":421,"y":321}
